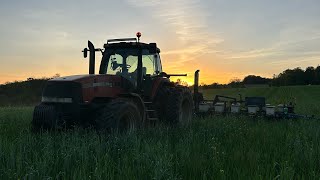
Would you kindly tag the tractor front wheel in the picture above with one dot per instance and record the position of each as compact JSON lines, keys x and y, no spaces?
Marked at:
{"x":118,"y":116}
{"x":45,"y":117}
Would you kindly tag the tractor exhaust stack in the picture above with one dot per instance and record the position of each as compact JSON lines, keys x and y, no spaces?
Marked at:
{"x":92,"y":57}
{"x":196,"y":90}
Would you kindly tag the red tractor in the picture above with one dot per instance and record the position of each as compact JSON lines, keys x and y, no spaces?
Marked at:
{"x":130,"y":91}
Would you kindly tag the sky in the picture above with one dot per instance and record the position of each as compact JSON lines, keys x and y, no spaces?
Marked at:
{"x":224,"y":39}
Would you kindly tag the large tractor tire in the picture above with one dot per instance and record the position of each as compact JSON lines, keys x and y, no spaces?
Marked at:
{"x":118,"y":116}
{"x":180,"y":106}
{"x":161,"y":101}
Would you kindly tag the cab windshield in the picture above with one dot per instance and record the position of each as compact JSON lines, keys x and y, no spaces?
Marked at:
{"x":124,"y":62}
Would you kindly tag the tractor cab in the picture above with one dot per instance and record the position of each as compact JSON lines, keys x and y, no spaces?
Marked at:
{"x":129,"y":58}
{"x":122,"y":59}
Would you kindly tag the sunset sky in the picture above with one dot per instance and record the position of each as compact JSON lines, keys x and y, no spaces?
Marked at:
{"x":222,"y":38}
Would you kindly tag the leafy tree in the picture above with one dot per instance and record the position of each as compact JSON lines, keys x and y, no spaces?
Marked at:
{"x":309,"y":75}
{"x":252,"y":79}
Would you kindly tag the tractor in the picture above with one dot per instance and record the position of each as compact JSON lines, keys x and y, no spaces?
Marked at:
{"x":131,"y":91}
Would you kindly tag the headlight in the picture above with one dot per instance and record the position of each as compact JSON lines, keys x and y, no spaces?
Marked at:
{"x":56,"y":100}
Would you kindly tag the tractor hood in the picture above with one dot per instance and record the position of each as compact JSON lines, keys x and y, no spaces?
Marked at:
{"x":73,"y":78}
{"x":91,"y":80}
{"x":85,"y":88}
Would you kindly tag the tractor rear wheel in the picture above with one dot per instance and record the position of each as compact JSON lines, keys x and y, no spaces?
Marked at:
{"x":180,"y":106}
{"x":161,"y":102}
{"x":118,"y":116}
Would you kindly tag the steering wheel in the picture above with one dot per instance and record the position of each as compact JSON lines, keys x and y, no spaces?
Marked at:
{"x":114,"y":65}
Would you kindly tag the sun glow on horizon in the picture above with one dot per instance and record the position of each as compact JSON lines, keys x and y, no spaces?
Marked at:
{"x":223,"y":39}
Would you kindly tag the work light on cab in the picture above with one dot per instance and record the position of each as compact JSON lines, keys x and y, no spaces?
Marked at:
{"x":138,"y":36}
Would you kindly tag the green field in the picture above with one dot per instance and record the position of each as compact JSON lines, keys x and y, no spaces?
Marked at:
{"x":211,"y":148}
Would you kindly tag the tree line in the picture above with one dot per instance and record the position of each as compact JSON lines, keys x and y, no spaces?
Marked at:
{"x":23,"y":93}
{"x":289,"y":77}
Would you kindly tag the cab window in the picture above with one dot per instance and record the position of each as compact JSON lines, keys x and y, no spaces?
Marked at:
{"x":114,"y":64}
{"x":149,"y":63}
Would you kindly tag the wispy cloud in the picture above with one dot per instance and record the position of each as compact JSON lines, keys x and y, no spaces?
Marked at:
{"x":297,"y":61}
{"x":187,"y":20}
{"x":281,"y":48}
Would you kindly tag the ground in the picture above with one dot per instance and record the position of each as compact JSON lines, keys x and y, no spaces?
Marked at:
{"x":211,"y":148}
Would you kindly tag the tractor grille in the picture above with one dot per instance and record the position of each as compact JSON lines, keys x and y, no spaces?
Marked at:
{"x":64,"y":89}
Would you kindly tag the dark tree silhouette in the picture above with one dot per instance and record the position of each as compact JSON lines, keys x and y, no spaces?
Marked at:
{"x":252,"y":79}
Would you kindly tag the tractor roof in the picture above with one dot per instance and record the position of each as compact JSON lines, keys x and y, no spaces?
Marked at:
{"x":129,"y":43}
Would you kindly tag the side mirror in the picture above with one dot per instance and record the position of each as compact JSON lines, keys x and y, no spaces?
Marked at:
{"x":85,"y":52}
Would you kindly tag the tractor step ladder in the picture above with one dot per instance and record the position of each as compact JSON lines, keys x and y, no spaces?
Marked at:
{"x":151,"y":112}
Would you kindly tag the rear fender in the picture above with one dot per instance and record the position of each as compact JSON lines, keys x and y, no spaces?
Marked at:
{"x":158,"y":83}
